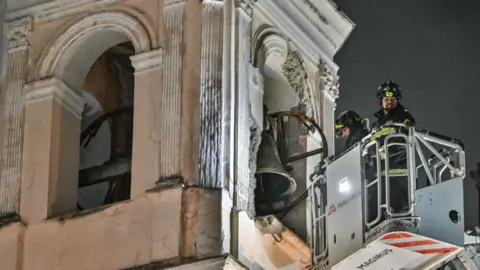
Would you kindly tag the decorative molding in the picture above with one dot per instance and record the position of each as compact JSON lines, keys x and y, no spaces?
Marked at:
{"x":285,"y":18}
{"x":246,"y":5}
{"x":311,"y":17}
{"x":316,"y":11}
{"x":147,"y":60}
{"x":275,"y":45}
{"x":259,"y":52}
{"x":55,"y":88}
{"x":115,"y":21}
{"x":331,"y":84}
{"x":317,"y":30}
{"x":296,"y":75}
{"x":17,"y":33}
{"x":57,"y":9}
{"x":54,"y":10}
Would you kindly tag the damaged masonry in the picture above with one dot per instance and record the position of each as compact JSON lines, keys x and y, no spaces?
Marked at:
{"x":172,"y":134}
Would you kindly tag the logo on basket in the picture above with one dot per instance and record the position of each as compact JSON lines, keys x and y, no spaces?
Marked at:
{"x":375,"y":258}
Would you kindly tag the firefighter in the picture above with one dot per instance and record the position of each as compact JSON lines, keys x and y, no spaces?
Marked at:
{"x":389,"y":95}
{"x":350,"y":125}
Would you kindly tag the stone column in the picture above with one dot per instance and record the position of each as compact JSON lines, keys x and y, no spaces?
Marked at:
{"x":12,"y":99}
{"x":50,"y":150}
{"x":212,"y":125}
{"x":330,"y":94}
{"x":173,"y":14}
{"x":148,"y":121}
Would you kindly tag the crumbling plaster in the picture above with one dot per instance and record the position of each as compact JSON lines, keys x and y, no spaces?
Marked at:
{"x":302,"y":65}
{"x":305,"y":35}
{"x":54,"y":17}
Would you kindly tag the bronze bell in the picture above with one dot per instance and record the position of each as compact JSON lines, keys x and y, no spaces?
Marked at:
{"x":274,"y":184}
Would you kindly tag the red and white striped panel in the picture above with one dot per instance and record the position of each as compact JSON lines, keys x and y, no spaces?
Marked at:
{"x":417,"y":243}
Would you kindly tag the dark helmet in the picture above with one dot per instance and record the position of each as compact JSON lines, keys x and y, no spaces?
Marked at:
{"x":389,"y":89}
{"x":348,"y":119}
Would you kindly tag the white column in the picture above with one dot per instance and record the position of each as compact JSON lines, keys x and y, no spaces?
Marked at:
{"x":171,"y":89}
{"x":12,"y":104}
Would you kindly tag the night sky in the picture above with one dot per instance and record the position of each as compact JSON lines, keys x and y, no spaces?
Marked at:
{"x":431,"y":48}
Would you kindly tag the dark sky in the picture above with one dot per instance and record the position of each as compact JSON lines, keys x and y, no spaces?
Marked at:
{"x":431,"y":48}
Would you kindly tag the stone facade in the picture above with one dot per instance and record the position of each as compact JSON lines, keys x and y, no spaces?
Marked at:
{"x":202,"y":69}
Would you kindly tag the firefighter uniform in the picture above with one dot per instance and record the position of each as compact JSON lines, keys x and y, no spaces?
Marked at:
{"x":389,"y":94}
{"x":356,"y":127}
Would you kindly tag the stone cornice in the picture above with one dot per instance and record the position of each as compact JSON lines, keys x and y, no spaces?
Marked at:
{"x":58,"y":8}
{"x":55,"y":88}
{"x":317,"y":29}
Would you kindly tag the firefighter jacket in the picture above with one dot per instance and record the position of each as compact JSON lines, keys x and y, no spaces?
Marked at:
{"x":398,"y":115}
{"x":355,"y":136}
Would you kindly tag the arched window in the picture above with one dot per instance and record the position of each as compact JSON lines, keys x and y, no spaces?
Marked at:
{"x":107,"y":126}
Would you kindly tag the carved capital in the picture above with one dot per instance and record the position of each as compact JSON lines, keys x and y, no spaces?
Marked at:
{"x":246,"y":5}
{"x":17,"y":33}
{"x":296,"y":75}
{"x":330,"y":84}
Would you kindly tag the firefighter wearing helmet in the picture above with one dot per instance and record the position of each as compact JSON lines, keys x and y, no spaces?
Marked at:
{"x":347,"y":125}
{"x":351,"y":126}
{"x":389,"y":94}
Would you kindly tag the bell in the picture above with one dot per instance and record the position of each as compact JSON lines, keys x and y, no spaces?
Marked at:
{"x":274,"y":184}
